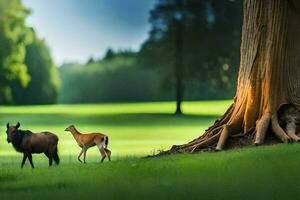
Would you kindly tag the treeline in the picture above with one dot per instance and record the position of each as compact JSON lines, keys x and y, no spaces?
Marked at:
{"x":117,"y":77}
{"x":192,"y":45}
{"x":27,"y":73}
{"x":192,"y":53}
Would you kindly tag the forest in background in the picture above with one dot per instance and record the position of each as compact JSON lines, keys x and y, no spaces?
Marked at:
{"x":202,"y":36}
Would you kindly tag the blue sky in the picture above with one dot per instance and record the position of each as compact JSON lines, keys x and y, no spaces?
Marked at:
{"x":77,"y":29}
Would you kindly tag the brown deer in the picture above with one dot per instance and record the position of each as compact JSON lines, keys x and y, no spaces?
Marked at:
{"x":29,"y":143}
{"x":85,"y":141}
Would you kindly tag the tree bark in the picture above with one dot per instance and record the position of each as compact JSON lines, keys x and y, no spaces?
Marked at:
{"x":269,"y":77}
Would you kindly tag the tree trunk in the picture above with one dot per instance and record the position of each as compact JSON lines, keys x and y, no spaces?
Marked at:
{"x":269,"y":77}
{"x":179,"y":56}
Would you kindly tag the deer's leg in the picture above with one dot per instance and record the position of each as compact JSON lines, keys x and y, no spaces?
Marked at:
{"x":103,"y":154}
{"x":108,"y":153}
{"x":24,"y":159}
{"x":82,"y":150}
{"x":84,"y":154}
{"x":102,"y":151}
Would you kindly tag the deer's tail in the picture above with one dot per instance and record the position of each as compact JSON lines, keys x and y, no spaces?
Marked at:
{"x":106,"y":141}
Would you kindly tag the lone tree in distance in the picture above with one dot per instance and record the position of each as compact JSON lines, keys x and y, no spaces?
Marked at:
{"x":179,"y":55}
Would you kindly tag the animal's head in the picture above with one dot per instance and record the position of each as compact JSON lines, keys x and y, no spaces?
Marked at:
{"x":11,"y":131}
{"x":70,"y":128}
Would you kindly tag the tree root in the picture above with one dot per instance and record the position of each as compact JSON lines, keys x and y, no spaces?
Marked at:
{"x":279,"y":132}
{"x":223,"y":138}
{"x":261,"y":129}
{"x":205,"y":141}
{"x":227,"y":130}
{"x":291,"y":131}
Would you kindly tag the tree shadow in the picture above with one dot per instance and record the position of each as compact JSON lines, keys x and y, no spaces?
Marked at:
{"x":122,"y":119}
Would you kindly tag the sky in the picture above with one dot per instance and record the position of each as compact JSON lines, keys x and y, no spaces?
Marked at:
{"x":75,"y":30}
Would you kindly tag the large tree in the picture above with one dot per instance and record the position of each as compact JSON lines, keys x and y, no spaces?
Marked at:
{"x":269,"y":77}
{"x":184,"y":46}
{"x":44,"y":81}
{"x":13,"y":38}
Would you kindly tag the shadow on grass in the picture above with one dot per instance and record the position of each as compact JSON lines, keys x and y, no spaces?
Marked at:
{"x":7,"y":178}
{"x":136,"y":119}
{"x":23,"y":187}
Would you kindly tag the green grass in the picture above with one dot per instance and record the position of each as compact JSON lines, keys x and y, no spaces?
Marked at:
{"x":133,"y":128}
{"x":136,"y":130}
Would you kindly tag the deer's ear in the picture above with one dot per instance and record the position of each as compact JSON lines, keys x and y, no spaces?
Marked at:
{"x":18,"y":125}
{"x":7,"y":125}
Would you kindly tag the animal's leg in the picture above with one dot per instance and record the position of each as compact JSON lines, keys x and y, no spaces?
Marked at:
{"x":49,"y":157}
{"x":30,"y":160}
{"x":84,"y":155}
{"x":101,"y":147}
{"x":102,"y":152}
{"x":55,"y":156}
{"x":46,"y":154}
{"x":108,"y":153}
{"x":24,"y":159}
{"x":82,"y":150}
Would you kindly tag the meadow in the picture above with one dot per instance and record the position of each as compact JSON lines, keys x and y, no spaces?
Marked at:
{"x":136,"y":130}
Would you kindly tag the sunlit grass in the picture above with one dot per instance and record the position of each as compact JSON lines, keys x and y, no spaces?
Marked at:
{"x":203,"y":107}
{"x":133,"y":128}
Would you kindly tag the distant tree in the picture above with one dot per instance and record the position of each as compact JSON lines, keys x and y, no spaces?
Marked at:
{"x":194,"y":43}
{"x":91,"y":60}
{"x":13,"y":38}
{"x":109,"y":54}
{"x":44,"y":84}
{"x":179,"y":62}
{"x":125,"y":53}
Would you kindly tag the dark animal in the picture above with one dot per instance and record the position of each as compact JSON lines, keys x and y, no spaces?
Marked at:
{"x":30,"y":143}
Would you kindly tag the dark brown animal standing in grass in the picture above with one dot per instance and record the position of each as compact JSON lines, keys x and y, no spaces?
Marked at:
{"x":30,"y":143}
{"x":85,"y":141}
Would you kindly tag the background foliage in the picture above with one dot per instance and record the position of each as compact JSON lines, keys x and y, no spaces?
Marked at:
{"x":13,"y":38}
{"x":211,"y":39}
{"x":44,"y":81}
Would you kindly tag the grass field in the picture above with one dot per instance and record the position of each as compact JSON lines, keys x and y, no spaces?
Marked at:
{"x":133,"y":129}
{"x":136,"y":130}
